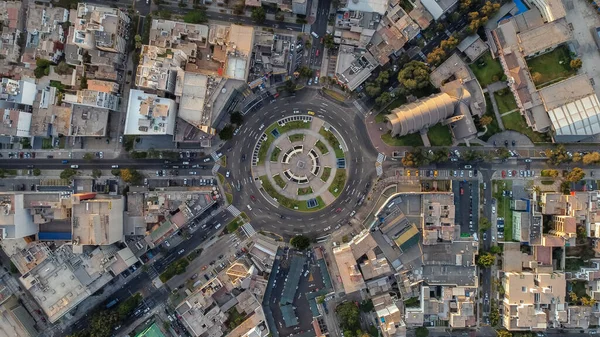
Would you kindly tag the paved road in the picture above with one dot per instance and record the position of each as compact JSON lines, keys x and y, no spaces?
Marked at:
{"x":320,"y":28}
{"x":360,"y":160}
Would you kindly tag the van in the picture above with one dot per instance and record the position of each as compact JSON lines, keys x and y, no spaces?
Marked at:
{"x":74,"y":166}
{"x":484,"y":186}
{"x":218,"y":226}
{"x":314,"y":35}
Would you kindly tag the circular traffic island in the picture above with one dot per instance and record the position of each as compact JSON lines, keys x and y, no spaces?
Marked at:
{"x":300,"y":163}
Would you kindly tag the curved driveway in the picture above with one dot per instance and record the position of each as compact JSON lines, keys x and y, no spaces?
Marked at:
{"x":360,"y":162}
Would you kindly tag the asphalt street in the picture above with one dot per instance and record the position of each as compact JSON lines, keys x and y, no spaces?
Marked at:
{"x":319,"y":27}
{"x":360,"y":161}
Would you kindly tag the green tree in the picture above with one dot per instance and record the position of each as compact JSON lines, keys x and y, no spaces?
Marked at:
{"x":42,"y":68}
{"x":37,"y":172}
{"x":413,"y":76}
{"x":305,"y":71}
{"x":63,"y":69}
{"x":96,"y":173}
{"x":373,"y":89}
{"x":437,"y":56}
{"x":549,"y":173}
{"x":421,"y":332}
{"x":300,"y":242}
{"x":88,"y":156}
{"x":383,"y":78}
{"x":125,"y":308}
{"x":320,"y":299}
{"x":495,"y":250}
{"x":195,"y":16}
{"x":503,"y":333}
{"x":383,"y":99}
{"x":226,"y":133}
{"x":349,"y":316}
{"x":484,"y":224}
{"x":115,"y":172}
{"x":258,"y":14}
{"x":83,"y":83}
{"x":103,"y":322}
{"x":68,"y":173}
{"x":485,"y":120}
{"x":576,"y":64}
{"x":575,"y":175}
{"x":131,"y":176}
{"x":328,"y":41}
{"x":502,"y":153}
{"x":182,"y":4}
{"x":138,"y":41}
{"x":236,"y":118}
{"x":485,"y":260}
{"x":290,"y":86}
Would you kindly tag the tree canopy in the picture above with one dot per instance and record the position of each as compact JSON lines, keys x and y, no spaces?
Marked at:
{"x":349,"y":316}
{"x":226,"y":133}
{"x":485,"y":260}
{"x":575,"y":175}
{"x":236,"y":118}
{"x":68,"y":173}
{"x":414,"y":76}
{"x":195,"y":16}
{"x":421,"y":332}
{"x":258,"y":14}
{"x":300,"y":242}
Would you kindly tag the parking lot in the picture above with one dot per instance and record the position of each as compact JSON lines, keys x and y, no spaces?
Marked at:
{"x":466,"y":201}
{"x":310,"y":281}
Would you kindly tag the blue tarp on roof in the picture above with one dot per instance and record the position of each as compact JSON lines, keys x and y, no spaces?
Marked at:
{"x":54,"y":236}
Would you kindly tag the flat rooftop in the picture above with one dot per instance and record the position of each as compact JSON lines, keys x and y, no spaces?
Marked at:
{"x":89,"y":121}
{"x":98,"y":222}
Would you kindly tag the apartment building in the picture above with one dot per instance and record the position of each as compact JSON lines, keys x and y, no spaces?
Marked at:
{"x":10,"y":16}
{"x":98,"y":27}
{"x":148,"y":114}
{"x":46,"y":35}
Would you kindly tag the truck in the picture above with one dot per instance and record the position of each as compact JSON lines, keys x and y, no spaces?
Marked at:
{"x":112,"y":303}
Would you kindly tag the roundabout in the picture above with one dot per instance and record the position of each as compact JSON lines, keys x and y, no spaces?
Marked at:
{"x":294,"y":152}
{"x":300,"y":163}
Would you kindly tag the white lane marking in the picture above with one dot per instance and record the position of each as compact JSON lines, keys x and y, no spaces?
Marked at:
{"x":324,"y":104}
{"x":322,"y":215}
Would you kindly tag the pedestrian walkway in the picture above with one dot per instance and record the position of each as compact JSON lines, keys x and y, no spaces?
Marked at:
{"x":216,"y":168}
{"x":234,"y":211}
{"x":248,"y":229}
{"x":509,"y":112}
{"x":491,"y":89}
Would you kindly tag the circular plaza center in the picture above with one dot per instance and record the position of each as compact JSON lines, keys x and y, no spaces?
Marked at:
{"x":300,"y":162}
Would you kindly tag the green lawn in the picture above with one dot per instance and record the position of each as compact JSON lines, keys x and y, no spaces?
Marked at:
{"x":305,"y":190}
{"x":493,"y":128}
{"x":337,"y":186}
{"x":399,"y":101}
{"x":503,"y":209}
{"x":505,"y":100}
{"x":296,"y":138}
{"x":262,"y":152}
{"x":334,"y":94}
{"x":333,"y":141}
{"x":549,"y":67}
{"x":322,"y":148}
{"x":275,"y":154}
{"x":487,"y":70}
{"x":439,"y":135}
{"x":413,"y":139}
{"x":287,"y":202}
{"x":380,"y":117}
{"x":326,"y":173}
{"x":516,"y":122}
{"x":279,"y":181}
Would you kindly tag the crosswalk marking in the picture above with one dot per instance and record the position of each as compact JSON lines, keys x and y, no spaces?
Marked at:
{"x":233,"y":210}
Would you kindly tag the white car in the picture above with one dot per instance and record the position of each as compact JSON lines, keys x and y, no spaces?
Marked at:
{"x":227,"y":174}
{"x":493,"y":209}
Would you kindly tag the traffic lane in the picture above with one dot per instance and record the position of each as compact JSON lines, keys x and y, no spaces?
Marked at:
{"x":201,"y":265}
{"x":334,"y":117}
{"x":189,"y":245}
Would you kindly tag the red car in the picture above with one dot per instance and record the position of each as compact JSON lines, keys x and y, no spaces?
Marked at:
{"x":503,"y":174}
{"x":253,"y":198}
{"x":338,"y":210}
{"x":317,"y":54}
{"x":514,"y":173}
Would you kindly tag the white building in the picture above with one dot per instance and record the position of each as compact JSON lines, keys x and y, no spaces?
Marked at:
{"x":149,"y":115}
